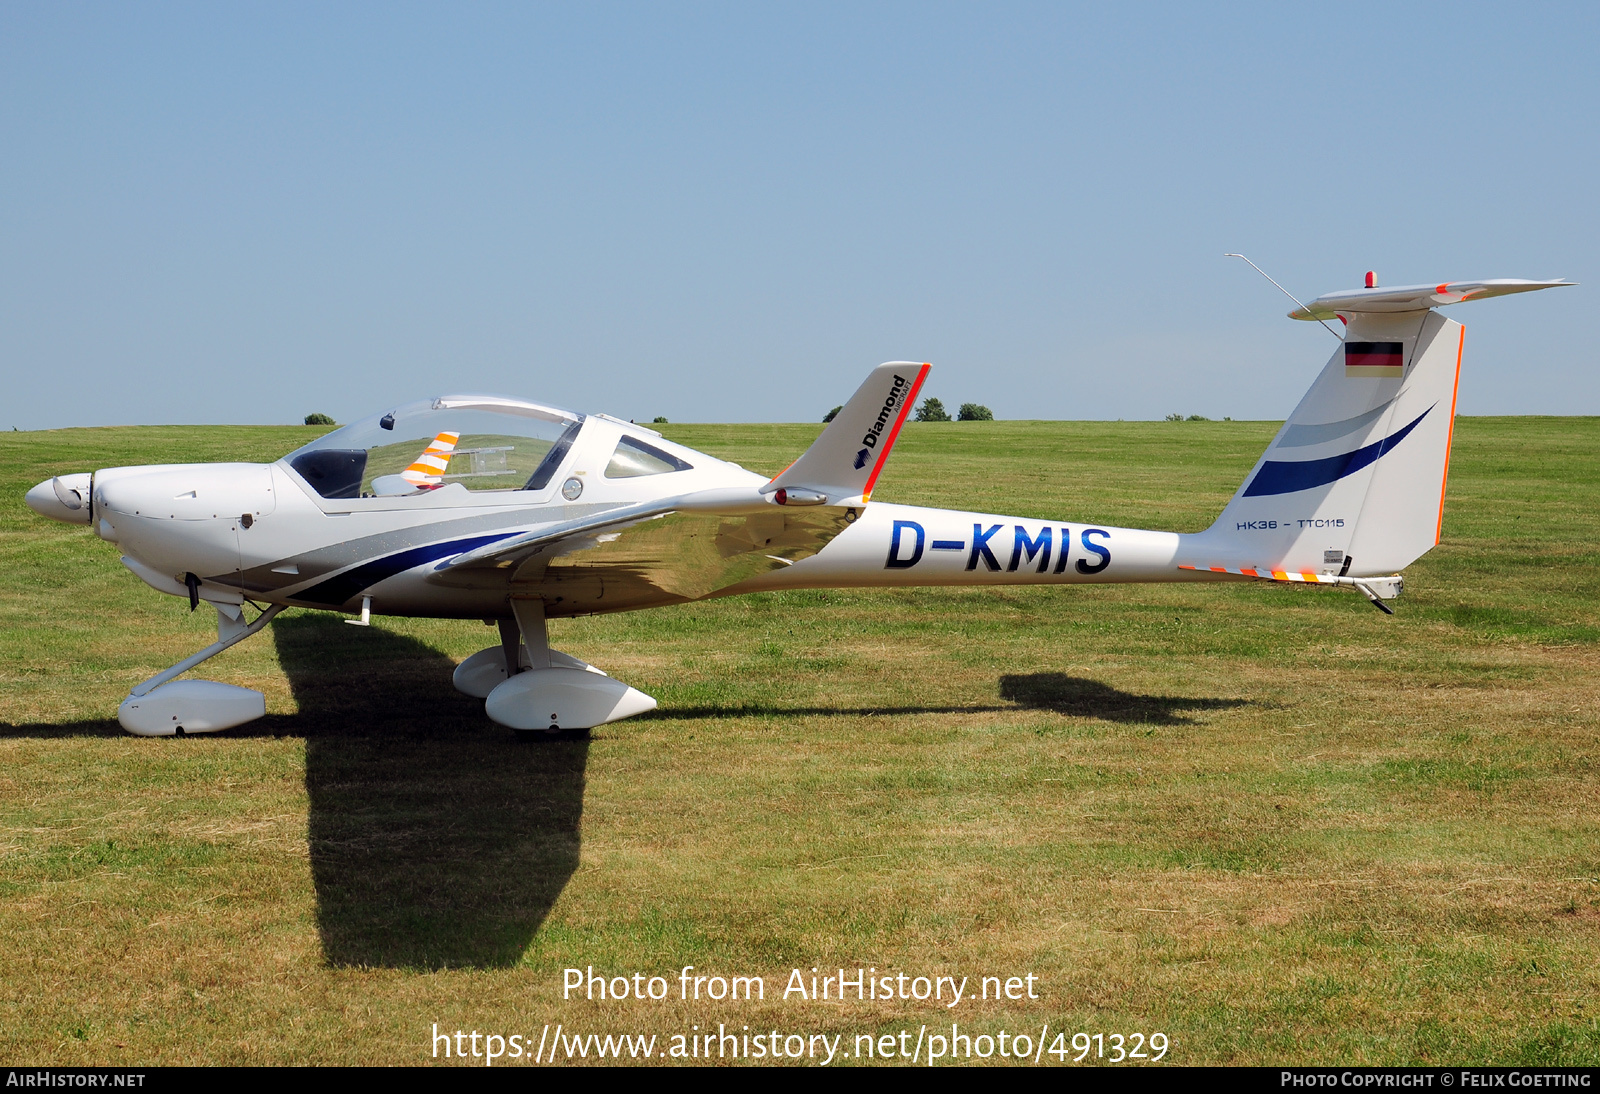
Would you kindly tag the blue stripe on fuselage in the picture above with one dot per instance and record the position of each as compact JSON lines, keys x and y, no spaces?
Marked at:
{"x":340,"y":588}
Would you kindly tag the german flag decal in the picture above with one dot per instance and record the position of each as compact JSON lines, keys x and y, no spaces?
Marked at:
{"x":1374,"y":359}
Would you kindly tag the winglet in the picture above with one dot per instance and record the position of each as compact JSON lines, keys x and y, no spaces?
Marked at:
{"x":845,"y":461}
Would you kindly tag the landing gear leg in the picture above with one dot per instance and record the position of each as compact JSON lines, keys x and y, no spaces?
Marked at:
{"x":535,"y":637}
{"x":486,"y":670}
{"x":510,"y":646}
{"x":197,"y":706}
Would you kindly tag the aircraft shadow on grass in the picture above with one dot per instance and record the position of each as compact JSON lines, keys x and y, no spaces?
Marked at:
{"x":1071,"y":695}
{"x":1084,"y":698}
{"x":437,"y":840}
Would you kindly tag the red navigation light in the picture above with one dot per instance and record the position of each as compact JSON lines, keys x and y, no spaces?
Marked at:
{"x":781,"y":497}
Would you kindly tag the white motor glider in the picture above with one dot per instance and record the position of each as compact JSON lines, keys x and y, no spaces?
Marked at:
{"x":477,"y":506}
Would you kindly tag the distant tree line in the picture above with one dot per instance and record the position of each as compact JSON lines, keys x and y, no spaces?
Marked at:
{"x":932,"y":410}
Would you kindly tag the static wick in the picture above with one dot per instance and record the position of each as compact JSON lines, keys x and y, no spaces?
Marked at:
{"x":1286,"y":292}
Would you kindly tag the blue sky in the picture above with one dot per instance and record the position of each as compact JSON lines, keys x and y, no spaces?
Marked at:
{"x":246,"y":213}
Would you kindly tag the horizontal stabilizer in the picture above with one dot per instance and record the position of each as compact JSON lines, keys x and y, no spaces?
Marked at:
{"x":1416,"y":297}
{"x":845,"y":461}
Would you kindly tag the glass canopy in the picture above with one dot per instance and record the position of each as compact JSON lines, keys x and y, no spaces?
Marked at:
{"x":484,"y":442}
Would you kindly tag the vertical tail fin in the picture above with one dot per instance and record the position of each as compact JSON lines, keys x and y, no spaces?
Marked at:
{"x":1353,"y":484}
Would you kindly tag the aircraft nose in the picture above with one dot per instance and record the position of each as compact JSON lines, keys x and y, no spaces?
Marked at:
{"x":188,"y":492}
{"x":64,"y":498}
{"x":182,"y":517}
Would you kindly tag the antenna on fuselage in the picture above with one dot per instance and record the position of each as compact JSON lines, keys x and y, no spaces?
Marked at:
{"x":1284,"y":291}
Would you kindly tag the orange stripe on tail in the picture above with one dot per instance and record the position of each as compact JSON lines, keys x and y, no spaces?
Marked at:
{"x":1438,"y":531}
{"x":905,"y":408}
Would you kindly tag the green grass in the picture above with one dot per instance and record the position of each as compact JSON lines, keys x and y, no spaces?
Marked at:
{"x":1269,"y":822}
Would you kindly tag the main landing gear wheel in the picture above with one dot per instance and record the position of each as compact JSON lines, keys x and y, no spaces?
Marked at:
{"x":547,"y":700}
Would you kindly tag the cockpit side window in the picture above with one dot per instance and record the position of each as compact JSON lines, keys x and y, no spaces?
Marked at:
{"x":634,"y":459}
{"x":553,"y":458}
{"x":332,"y":472}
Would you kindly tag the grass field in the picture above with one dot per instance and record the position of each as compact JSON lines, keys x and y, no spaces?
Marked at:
{"x":1271,"y":823}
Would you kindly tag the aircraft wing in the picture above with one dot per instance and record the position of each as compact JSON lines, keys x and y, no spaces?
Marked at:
{"x":660,"y":552}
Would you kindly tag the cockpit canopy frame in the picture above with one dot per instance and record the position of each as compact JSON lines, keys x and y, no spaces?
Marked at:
{"x":522,"y":445}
